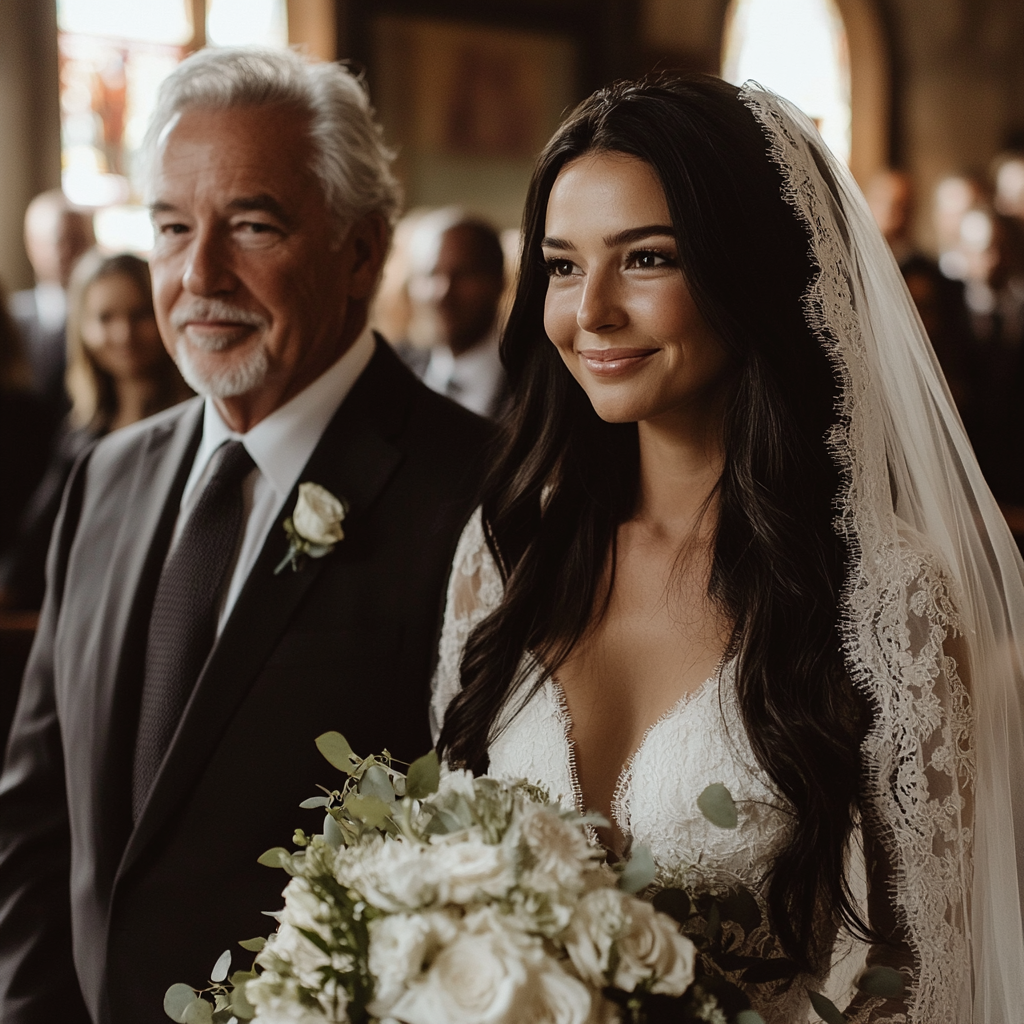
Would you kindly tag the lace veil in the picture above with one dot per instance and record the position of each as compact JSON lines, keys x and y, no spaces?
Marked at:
{"x":933,"y":609}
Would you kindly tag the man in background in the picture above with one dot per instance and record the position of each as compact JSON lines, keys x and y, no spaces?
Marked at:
{"x":56,"y":236}
{"x":455,"y":285}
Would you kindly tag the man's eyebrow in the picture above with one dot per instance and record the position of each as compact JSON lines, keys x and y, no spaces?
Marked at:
{"x":162,"y":207}
{"x":264,"y":202}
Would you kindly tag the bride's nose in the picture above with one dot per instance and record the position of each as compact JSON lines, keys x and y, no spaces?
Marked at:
{"x":601,"y":308}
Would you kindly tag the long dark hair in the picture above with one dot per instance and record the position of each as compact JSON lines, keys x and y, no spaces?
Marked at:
{"x":565,"y":480}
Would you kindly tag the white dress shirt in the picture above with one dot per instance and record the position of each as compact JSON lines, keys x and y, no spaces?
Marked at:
{"x":473,"y":379}
{"x":280,"y":445}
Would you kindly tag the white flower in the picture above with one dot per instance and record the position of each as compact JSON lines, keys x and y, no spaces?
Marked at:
{"x":400,"y":946}
{"x":597,"y":921}
{"x":482,"y":977}
{"x":651,"y":949}
{"x":281,"y":1004}
{"x":318,"y":515}
{"x":393,"y":876}
{"x":304,"y":958}
{"x":559,"y":851}
{"x":559,"y":998}
{"x":466,"y":868}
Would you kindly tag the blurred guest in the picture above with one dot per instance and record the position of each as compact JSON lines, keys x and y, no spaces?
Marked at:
{"x":939,"y":300}
{"x":456,"y":282}
{"x":24,"y":429}
{"x":1009,"y":185}
{"x":992,"y":246}
{"x":392,"y":310}
{"x":56,"y":235}
{"x":955,"y":197}
{"x":118,"y":372}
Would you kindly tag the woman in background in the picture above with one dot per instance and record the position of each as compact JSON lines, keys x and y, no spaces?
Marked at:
{"x":118,"y":372}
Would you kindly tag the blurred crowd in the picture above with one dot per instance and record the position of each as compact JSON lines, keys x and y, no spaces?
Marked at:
{"x":80,"y":353}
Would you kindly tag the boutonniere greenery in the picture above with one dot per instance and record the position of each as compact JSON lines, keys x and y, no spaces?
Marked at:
{"x":314,"y":527}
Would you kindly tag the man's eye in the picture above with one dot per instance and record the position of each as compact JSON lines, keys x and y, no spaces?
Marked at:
{"x":558,"y":268}
{"x":173,"y":229}
{"x":256,"y":227}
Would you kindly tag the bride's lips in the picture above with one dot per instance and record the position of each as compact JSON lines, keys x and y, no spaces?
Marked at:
{"x":611,"y":362}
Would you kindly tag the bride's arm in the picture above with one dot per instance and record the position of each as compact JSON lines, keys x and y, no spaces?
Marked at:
{"x":474,"y":591}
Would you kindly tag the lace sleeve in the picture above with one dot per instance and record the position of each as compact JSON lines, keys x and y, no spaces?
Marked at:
{"x":474,"y":591}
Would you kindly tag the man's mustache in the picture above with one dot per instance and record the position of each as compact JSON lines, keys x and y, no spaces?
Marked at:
{"x":214,"y":309}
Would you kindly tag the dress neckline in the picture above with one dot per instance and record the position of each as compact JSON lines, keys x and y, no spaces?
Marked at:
{"x":619,"y":812}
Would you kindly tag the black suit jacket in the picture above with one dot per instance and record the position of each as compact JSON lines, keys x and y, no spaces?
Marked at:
{"x":347,"y":643}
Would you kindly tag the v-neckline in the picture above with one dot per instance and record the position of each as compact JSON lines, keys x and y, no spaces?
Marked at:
{"x":625,"y":774}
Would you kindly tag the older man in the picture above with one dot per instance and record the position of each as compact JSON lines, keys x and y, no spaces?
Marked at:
{"x":191,"y":646}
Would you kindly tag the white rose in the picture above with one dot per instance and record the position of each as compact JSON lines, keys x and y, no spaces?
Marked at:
{"x":466,"y":868}
{"x":304,"y":958}
{"x":482,"y":977}
{"x":560,"y":998}
{"x":651,"y":948}
{"x":598,"y":919}
{"x":278,"y":1002}
{"x":318,"y":515}
{"x":394,"y":876}
{"x":400,"y":946}
{"x":559,"y":851}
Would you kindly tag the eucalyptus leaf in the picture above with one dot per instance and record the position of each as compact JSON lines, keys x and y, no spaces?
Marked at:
{"x":882,"y":981}
{"x":826,"y":1009}
{"x":741,"y":908}
{"x":315,"y":801}
{"x":240,"y":1006}
{"x":199,"y":1011}
{"x":674,"y":902}
{"x":176,"y":1000}
{"x":375,"y":782}
{"x":272,"y":858}
{"x":239,"y":978}
{"x":717,"y":805}
{"x":335,"y":748}
{"x":332,"y":833}
{"x":221,"y":967}
{"x":253,"y":945}
{"x":749,"y":1017}
{"x":424,"y":776}
{"x":370,"y":810}
{"x":639,"y":872}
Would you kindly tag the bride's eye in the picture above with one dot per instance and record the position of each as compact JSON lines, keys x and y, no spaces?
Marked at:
{"x":558,"y":268}
{"x":650,"y":259}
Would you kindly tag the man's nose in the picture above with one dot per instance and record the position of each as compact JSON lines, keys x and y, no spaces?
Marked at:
{"x":208,"y":270}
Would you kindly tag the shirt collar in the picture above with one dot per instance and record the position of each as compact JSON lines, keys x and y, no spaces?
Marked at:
{"x":282,"y":443}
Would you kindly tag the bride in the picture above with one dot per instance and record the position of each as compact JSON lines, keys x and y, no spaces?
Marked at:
{"x":736,"y":535}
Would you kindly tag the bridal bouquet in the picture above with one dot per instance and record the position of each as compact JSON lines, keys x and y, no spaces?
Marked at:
{"x":434,"y":897}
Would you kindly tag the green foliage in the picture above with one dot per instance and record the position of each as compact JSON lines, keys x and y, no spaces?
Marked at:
{"x":424,"y":776}
{"x":253,"y":945}
{"x":273,"y":858}
{"x":639,"y":872}
{"x":335,"y":748}
{"x":717,"y":805}
{"x":221,"y":967}
{"x":177,"y":999}
{"x":749,"y":1017}
{"x":826,"y":1009}
{"x":882,"y":981}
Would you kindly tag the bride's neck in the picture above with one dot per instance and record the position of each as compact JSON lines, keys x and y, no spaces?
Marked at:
{"x":679,"y":467}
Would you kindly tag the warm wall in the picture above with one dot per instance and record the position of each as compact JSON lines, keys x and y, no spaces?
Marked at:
{"x":29,"y":123}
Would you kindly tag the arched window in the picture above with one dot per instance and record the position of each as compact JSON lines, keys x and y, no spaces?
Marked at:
{"x":799,"y":49}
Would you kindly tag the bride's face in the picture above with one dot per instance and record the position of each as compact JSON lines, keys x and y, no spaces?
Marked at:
{"x":618,"y":307}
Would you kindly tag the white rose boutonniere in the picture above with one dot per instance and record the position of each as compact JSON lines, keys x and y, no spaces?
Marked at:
{"x":314,"y":526}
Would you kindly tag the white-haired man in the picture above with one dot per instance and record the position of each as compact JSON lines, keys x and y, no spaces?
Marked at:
{"x":189,"y":652}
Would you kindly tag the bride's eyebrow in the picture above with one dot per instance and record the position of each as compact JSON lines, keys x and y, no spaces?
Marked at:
{"x":622,"y":238}
{"x":638,"y":234}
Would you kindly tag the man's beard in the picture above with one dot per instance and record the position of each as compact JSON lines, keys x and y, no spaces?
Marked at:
{"x":246,"y":372}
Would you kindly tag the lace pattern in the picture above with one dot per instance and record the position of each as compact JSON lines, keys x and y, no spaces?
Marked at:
{"x":899,"y":617}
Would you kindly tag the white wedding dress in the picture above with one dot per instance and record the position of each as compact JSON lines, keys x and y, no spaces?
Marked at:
{"x":699,"y":741}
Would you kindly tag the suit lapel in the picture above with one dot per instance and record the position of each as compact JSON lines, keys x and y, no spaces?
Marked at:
{"x":353,"y":460}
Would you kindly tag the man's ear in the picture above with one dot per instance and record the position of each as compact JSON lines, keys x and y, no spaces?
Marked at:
{"x":367,"y":241}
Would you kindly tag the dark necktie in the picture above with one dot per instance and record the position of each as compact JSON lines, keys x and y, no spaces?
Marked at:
{"x":183,"y":625}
